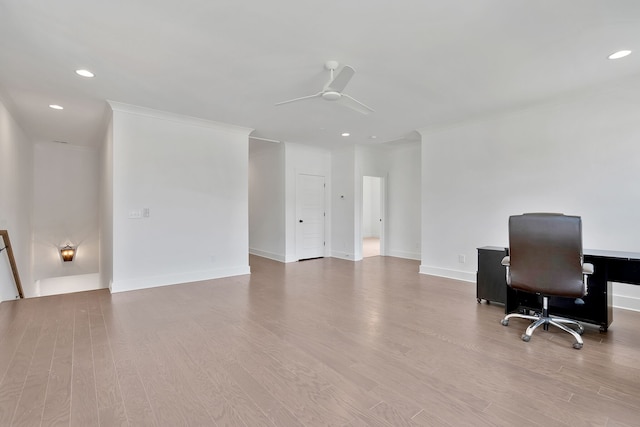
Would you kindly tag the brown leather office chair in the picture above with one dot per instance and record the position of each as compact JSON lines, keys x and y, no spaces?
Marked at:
{"x":545,"y":257}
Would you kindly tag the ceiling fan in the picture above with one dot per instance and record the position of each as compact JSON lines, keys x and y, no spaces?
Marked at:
{"x":333,"y":90}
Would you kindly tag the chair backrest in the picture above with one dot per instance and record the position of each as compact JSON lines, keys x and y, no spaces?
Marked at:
{"x":546,"y":254}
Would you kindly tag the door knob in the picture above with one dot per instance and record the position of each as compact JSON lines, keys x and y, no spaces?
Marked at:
{"x":300,"y":220}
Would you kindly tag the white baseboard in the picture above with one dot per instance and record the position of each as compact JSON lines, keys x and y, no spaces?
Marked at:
{"x":626,"y":296}
{"x":277,"y":257}
{"x":406,"y":255}
{"x":266,"y":254}
{"x":626,"y":302}
{"x":343,"y":255}
{"x":176,"y":279}
{"x":450,"y":274}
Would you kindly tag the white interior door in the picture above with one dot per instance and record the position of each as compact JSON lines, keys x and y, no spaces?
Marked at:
{"x":310,"y":216}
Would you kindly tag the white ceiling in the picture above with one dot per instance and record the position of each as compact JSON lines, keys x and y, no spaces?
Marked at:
{"x":418,"y":62}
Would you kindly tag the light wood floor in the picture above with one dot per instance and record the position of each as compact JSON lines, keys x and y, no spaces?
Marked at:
{"x":321,"y":342}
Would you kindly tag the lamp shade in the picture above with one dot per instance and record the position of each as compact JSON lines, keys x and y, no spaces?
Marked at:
{"x":67,"y":253}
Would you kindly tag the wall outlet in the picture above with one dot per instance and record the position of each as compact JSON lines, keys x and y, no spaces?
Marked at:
{"x":462,"y":259}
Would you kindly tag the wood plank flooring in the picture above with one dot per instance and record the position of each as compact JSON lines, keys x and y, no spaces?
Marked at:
{"x":325,"y":342}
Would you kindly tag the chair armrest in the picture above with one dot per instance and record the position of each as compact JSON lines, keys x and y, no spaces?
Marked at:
{"x":506,"y":261}
{"x":587,"y":268}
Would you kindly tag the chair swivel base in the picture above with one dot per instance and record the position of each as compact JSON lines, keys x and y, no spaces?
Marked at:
{"x":559,"y":322}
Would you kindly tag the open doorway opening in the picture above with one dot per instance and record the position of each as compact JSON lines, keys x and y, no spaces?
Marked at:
{"x":372,"y":216}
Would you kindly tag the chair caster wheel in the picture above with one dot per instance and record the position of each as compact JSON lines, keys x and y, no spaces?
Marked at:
{"x":526,"y":338}
{"x":504,"y":322}
{"x":577,"y":346}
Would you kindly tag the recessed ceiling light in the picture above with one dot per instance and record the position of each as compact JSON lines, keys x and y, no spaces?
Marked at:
{"x":373,"y":137}
{"x":619,"y":54}
{"x":84,"y":73}
{"x":56,"y":107}
{"x":345,"y":134}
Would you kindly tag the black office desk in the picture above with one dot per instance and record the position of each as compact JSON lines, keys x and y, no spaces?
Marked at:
{"x":609,"y":266}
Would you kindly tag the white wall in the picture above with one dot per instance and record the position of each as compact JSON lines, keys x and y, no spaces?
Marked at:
{"x":343,"y":170}
{"x":67,"y":284}
{"x":65,"y":210}
{"x":403,"y":219}
{"x":192,"y":175}
{"x":303,"y":159}
{"x":344,"y":200}
{"x":399,"y":166}
{"x":578,"y":155}
{"x":16,"y":190}
{"x":106,"y":205}
{"x":273,"y":171}
{"x":267,"y":200}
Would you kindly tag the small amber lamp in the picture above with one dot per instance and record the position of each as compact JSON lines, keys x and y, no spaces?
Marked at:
{"x":67,"y":253}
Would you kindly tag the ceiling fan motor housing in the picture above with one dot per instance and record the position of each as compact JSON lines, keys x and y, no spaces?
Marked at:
{"x":331,"y":65}
{"x":331,"y":95}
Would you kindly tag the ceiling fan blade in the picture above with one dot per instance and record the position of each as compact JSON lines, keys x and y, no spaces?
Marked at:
{"x":354,"y":104}
{"x":342,"y":79}
{"x":300,"y":99}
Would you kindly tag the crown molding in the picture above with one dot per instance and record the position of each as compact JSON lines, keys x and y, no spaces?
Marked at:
{"x":179,"y":118}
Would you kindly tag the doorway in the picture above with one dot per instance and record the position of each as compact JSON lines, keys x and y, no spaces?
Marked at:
{"x":372,"y":216}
